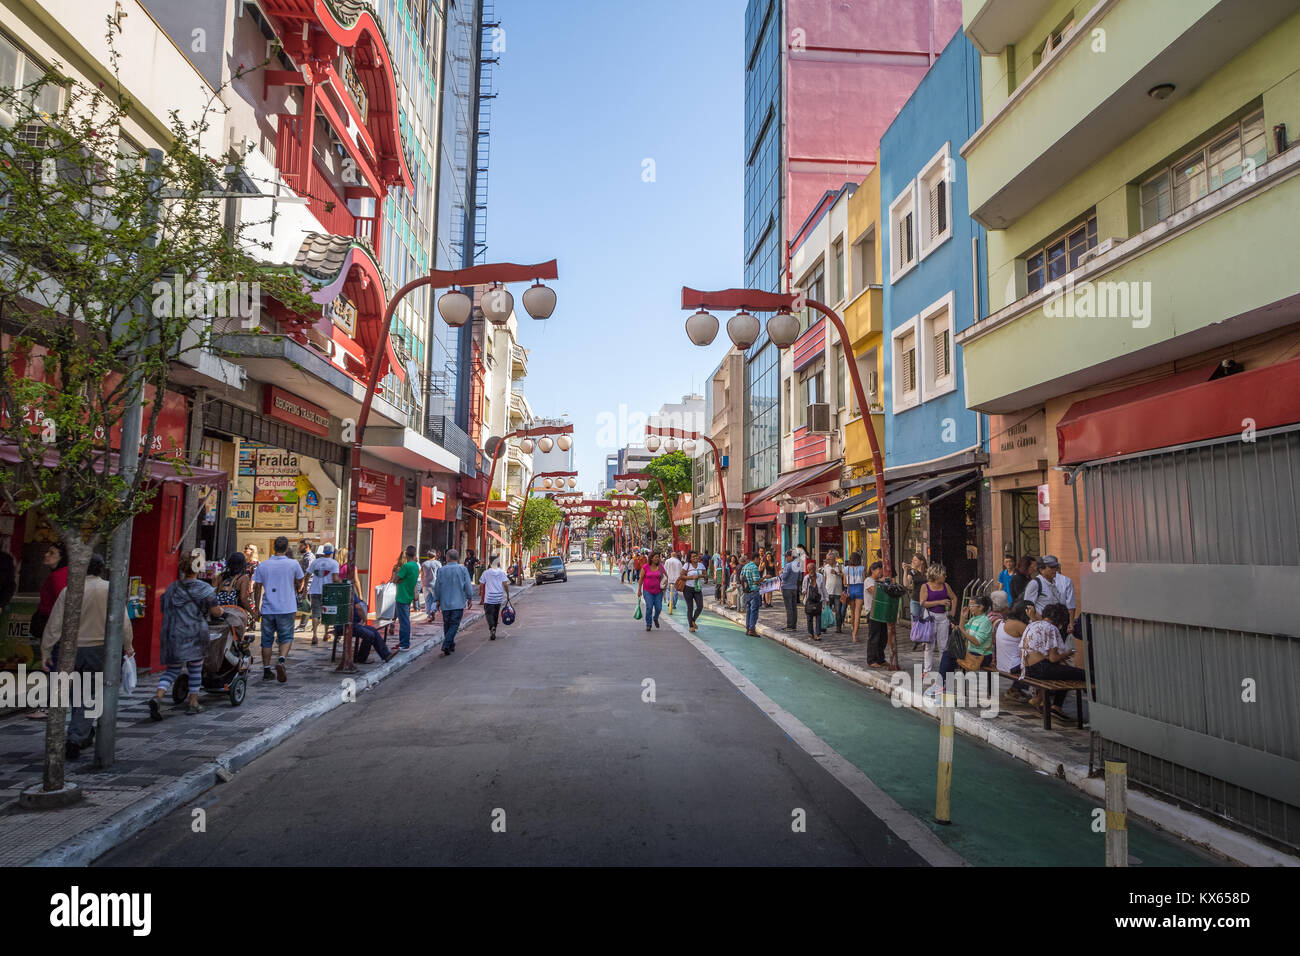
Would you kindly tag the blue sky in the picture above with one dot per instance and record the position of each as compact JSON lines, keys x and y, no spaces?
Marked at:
{"x":587,"y":92}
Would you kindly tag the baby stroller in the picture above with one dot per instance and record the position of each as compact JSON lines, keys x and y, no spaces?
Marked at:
{"x":226,"y":663}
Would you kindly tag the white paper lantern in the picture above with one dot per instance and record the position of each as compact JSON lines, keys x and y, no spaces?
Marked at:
{"x":545,"y":444}
{"x":526,"y":446}
{"x":652,"y":443}
{"x":565,"y":442}
{"x":573,"y":482}
{"x":670,"y":445}
{"x":454,"y":307}
{"x":688,"y":446}
{"x":546,"y":482}
{"x":783,"y":329}
{"x":643,"y":484}
{"x":702,"y":327}
{"x":539,"y":301}
{"x":743,"y":330}
{"x":497,"y":305}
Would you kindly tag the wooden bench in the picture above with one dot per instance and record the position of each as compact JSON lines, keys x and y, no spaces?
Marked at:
{"x":1077,"y":686}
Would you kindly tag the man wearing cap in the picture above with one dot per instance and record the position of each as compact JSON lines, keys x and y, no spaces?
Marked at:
{"x":322,"y":571}
{"x":1051,"y":587}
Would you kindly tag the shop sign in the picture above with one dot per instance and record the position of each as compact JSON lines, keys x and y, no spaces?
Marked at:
{"x":1044,"y":509}
{"x":244,"y":515}
{"x":433,"y":503}
{"x":286,"y":407}
{"x":276,"y":461}
{"x":343,"y":314}
{"x":280,"y":488}
{"x":275,"y":517}
{"x":373,"y":487}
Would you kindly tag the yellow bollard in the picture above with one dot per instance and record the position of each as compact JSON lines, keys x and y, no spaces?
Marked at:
{"x":1116,"y":813}
{"x":943,"y":800}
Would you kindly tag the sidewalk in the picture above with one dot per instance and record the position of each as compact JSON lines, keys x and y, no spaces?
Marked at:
{"x":160,"y":766}
{"x":1017,"y":730}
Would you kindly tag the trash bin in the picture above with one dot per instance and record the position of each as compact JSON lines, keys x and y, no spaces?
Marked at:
{"x":335,"y":601}
{"x":885,"y":606}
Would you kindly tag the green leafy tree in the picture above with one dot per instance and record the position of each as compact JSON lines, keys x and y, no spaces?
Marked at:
{"x":94,"y":238}
{"x":540,"y":517}
{"x":675,"y":472}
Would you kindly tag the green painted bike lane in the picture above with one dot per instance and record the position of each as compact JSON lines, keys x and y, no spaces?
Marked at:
{"x":1004,"y":812}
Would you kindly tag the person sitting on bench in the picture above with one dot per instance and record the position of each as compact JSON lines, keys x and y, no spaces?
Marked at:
{"x":366,"y":636}
{"x":1046,"y":656}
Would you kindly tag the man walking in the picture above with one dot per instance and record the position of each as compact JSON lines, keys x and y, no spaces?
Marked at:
{"x":408,"y":573}
{"x":496,"y":592}
{"x":672,"y":571}
{"x":305,"y":557}
{"x":877,"y":631}
{"x":275,"y":594}
{"x":750,"y":577}
{"x":454,"y":594}
{"x":322,"y":571}
{"x":428,"y":575}
{"x":791,"y":578}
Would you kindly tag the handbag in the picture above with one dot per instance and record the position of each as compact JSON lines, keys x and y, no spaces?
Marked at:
{"x":638,"y":613}
{"x":923,"y":629}
{"x":956,"y":642}
{"x":507,"y":615}
{"x":680,"y":585}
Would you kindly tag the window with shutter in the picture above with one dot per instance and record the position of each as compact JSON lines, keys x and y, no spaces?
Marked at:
{"x":909,"y":370}
{"x":941,"y":353}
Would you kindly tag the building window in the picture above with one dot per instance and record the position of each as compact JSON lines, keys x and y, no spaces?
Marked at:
{"x":841,"y":373}
{"x":837,"y":275}
{"x":907,"y":392}
{"x":814,"y":287}
{"x":864,"y":261}
{"x":936,"y":338}
{"x":1060,"y":255}
{"x":1212,"y":165}
{"x":936,"y":212}
{"x":902,"y":233}
{"x":19,"y":70}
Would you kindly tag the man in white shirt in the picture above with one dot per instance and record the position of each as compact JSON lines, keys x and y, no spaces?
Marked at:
{"x":322,"y":571}
{"x":90,"y":648}
{"x":496,"y":592}
{"x":672,"y":571}
{"x":428,"y":578}
{"x":275,"y":594}
{"x":1051,"y":587}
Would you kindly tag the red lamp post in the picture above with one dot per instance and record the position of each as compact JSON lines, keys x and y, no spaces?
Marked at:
{"x":782,"y":303}
{"x":717,"y":465}
{"x":540,"y":431}
{"x":499,"y":272}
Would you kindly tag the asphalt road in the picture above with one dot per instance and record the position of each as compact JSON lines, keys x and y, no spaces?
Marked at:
{"x":537,"y":748}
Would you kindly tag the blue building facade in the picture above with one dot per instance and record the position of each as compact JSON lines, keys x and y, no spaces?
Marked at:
{"x":931,"y":252}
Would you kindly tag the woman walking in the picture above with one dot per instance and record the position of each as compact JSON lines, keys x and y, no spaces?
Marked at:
{"x":938,"y":599}
{"x":696,"y":574}
{"x":651,"y":586}
{"x":833,"y":587}
{"x":854,"y":575}
{"x":235,"y":590}
{"x":768,"y":567}
{"x":188,"y":605}
{"x":813,"y":593}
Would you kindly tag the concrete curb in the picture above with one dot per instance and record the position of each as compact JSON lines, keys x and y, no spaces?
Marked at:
{"x":1192,"y":827}
{"x":89,"y":845}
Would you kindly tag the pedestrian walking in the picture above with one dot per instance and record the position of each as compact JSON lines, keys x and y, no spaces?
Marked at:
{"x":188,"y":607}
{"x":89,"y":658}
{"x":405,"y":576}
{"x":938,"y":599}
{"x":651,"y":586}
{"x":323,"y":570}
{"x":672,"y":571}
{"x":305,"y":557}
{"x":813,"y":595}
{"x":791,"y":578}
{"x":696,"y":574}
{"x":455,"y":595}
{"x":250,"y":557}
{"x":471,"y":564}
{"x":496,"y":592}
{"x":429,"y":569}
{"x":854,"y":591}
{"x":275,"y":592}
{"x":770,"y":571}
{"x":833,"y":578}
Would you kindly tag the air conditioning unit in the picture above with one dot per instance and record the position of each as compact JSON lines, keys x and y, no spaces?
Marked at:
{"x":726,"y":459}
{"x":872,"y":384}
{"x":1100,"y":249}
{"x":819,"y":418}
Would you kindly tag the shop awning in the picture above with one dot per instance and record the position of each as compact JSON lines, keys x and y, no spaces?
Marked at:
{"x":159,"y":471}
{"x":916,"y":489}
{"x":1181,"y":409}
{"x":865,"y":517}
{"x":795,"y":479}
{"x":496,"y":537}
{"x":829,"y":517}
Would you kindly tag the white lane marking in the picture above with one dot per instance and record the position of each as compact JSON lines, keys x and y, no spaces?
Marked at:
{"x":901,"y":822}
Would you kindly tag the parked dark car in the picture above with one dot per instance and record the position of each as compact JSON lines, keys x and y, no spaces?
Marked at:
{"x":549,"y":569}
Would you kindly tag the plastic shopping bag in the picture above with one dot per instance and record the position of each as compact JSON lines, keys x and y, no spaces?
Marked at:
{"x":636,"y":616}
{"x":128,"y":675}
{"x":828,"y":618}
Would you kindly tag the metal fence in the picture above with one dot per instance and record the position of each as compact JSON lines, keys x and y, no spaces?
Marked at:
{"x":1193,"y":593}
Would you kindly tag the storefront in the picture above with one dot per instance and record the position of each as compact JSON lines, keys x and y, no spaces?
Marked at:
{"x":1018,"y":477}
{"x":941,"y":517}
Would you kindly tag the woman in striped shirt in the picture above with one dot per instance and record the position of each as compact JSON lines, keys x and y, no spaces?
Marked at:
{"x":854,"y":575}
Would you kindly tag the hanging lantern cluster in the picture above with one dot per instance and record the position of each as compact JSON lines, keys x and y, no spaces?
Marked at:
{"x":455,"y":305}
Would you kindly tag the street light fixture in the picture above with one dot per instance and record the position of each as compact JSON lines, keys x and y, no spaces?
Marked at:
{"x":783,"y":330}
{"x":652,"y":443}
{"x":498,"y":304}
{"x":452,"y":307}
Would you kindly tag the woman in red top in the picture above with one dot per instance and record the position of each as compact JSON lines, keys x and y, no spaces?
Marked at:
{"x":56,"y":559}
{"x":651,"y":586}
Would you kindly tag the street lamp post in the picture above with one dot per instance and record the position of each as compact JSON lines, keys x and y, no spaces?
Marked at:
{"x":717,"y":464}
{"x":783,"y":329}
{"x":572,"y":476}
{"x":543,"y":433}
{"x":539,"y":305}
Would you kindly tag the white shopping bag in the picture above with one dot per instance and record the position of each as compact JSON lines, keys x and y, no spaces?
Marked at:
{"x":128,"y":675}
